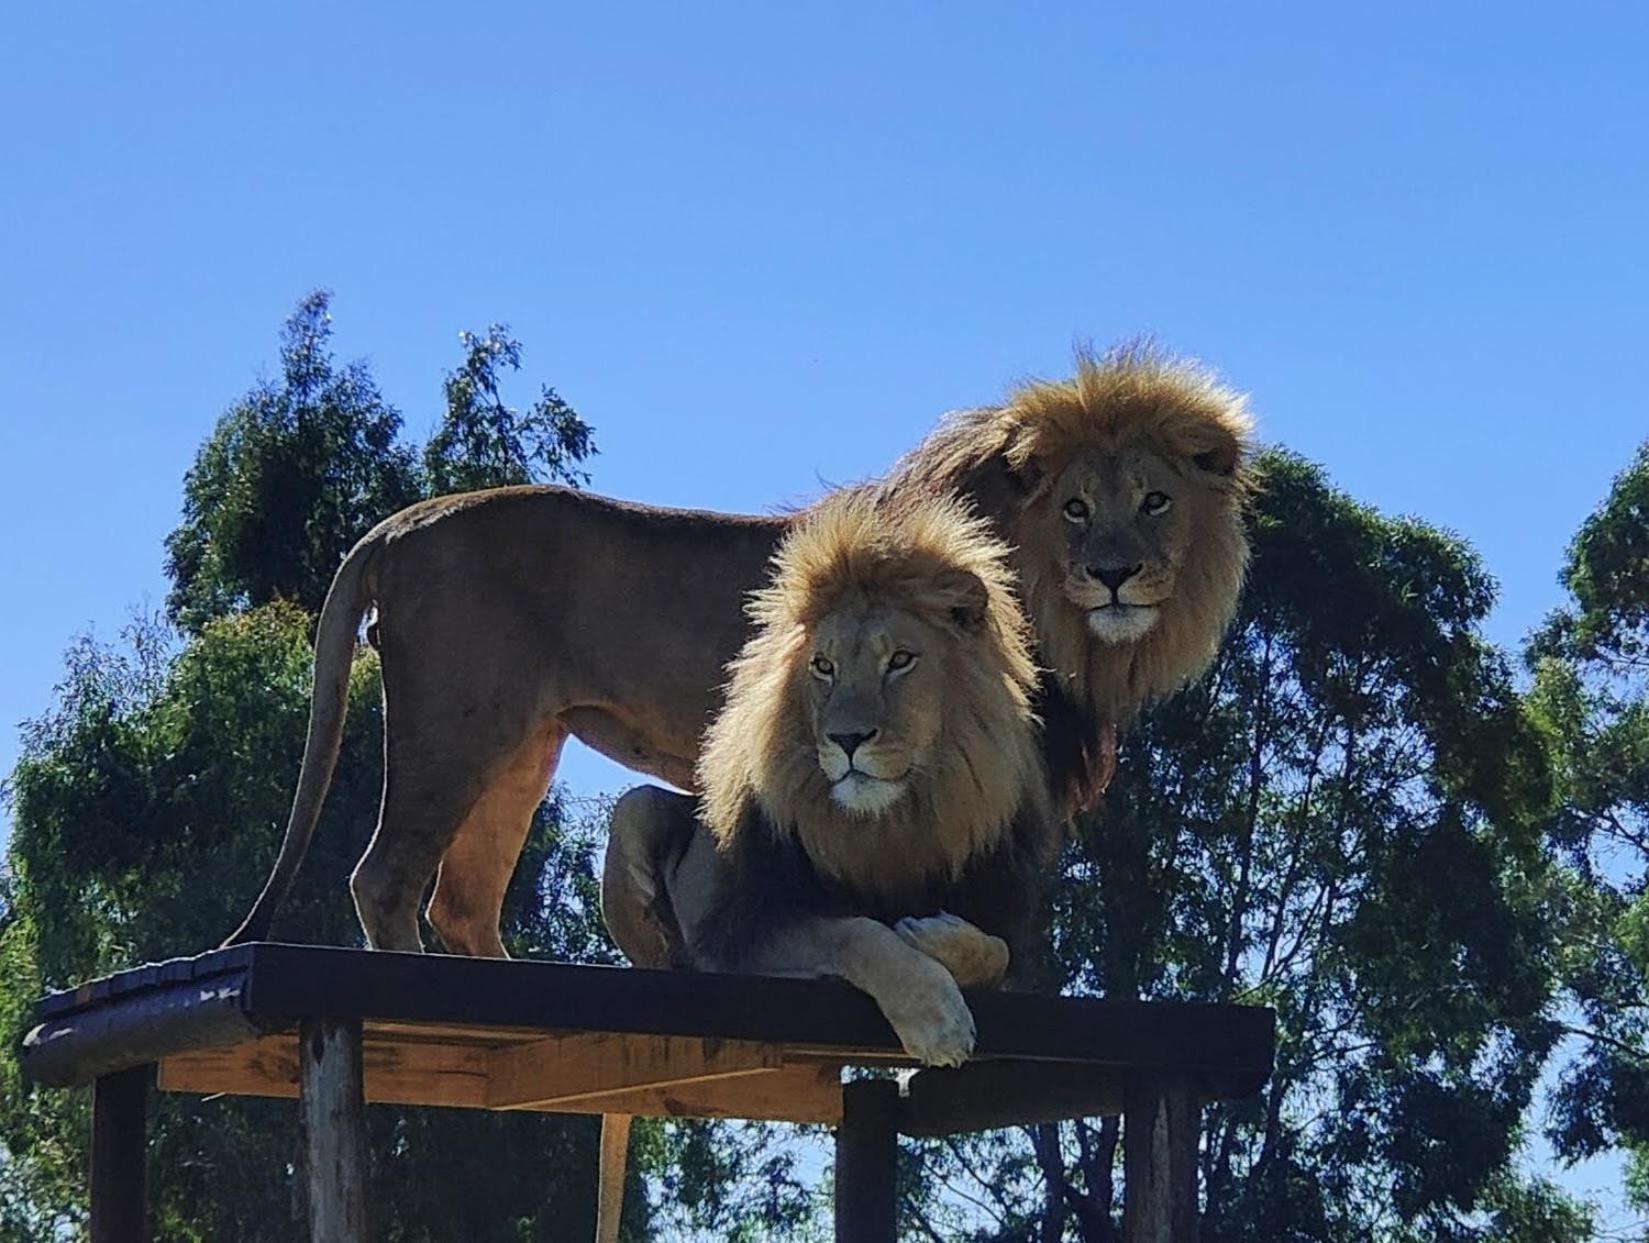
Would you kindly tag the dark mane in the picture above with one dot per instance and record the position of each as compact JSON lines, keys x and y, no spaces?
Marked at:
{"x":772,"y":885}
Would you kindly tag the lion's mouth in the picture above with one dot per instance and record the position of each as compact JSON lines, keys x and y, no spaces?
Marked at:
{"x":865,"y":795}
{"x":1116,"y":622}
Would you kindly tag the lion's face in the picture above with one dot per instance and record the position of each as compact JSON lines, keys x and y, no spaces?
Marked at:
{"x":875,"y":698}
{"x":880,"y":714}
{"x":1116,"y":529}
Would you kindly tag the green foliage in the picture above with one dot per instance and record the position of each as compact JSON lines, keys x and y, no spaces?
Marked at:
{"x":1343,"y":820}
{"x":147,"y":804}
{"x":731,"y":1181}
{"x":298,"y":470}
{"x":1591,"y":694}
{"x":294,"y":473}
{"x":483,"y":443}
{"x":1607,"y":574}
{"x":1354,"y":818}
{"x":146,"y":810}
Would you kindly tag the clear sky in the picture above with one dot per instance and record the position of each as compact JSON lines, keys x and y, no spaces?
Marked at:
{"x":761,"y":247}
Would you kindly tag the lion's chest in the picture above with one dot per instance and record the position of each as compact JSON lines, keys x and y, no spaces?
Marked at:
{"x":884,"y":873}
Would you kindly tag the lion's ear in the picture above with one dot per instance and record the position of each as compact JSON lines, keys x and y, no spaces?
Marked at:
{"x":1217,"y":451}
{"x":965,"y":597}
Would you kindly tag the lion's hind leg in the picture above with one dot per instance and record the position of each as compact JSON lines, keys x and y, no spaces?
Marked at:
{"x":444,"y":755}
{"x":421,"y":813}
{"x":467,"y":906}
{"x":973,"y":956}
{"x":651,"y":829}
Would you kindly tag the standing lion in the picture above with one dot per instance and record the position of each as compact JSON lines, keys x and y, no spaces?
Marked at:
{"x":509,"y":620}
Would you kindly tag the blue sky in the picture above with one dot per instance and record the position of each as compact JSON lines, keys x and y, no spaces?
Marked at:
{"x":761,"y":247}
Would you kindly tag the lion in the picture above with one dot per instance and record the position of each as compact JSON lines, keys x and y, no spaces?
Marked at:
{"x":508,"y":620}
{"x":874,"y":801}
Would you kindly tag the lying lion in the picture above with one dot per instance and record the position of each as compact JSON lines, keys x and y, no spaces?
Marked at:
{"x":509,"y":620}
{"x":874,"y":795}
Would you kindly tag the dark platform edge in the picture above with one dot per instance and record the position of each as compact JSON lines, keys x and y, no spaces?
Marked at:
{"x":231,"y":994}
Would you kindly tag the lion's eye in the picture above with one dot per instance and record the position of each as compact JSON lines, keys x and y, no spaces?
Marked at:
{"x":1076,"y":509}
{"x":901,"y":660}
{"x":823,"y":667}
{"x":1155,"y":503}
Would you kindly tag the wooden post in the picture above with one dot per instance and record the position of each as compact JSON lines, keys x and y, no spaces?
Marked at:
{"x":867,"y":1163}
{"x":610,"y":1169}
{"x":120,"y":1197}
{"x":1162,"y":1125}
{"x":333,"y":1111}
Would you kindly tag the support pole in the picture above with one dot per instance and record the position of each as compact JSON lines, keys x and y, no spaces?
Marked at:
{"x":867,"y":1163}
{"x":333,"y":1110}
{"x":610,"y":1169}
{"x":120,"y":1196}
{"x":1162,"y":1125}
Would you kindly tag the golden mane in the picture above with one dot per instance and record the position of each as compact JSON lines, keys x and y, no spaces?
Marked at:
{"x":853,"y":550}
{"x":1009,"y":454}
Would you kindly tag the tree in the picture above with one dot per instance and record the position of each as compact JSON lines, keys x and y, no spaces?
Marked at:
{"x":1354,"y":817}
{"x":294,"y":473}
{"x":146,"y":806}
{"x":1591,"y":666}
{"x":483,"y":443}
{"x":298,"y":470}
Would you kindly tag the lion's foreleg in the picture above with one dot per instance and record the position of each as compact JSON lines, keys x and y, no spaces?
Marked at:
{"x":915,"y":992}
{"x":974,"y":957}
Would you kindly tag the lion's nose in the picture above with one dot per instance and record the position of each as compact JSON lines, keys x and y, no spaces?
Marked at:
{"x":849,"y":743}
{"x":1114,"y":576}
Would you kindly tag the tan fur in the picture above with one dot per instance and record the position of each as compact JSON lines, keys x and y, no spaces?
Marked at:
{"x":851,"y":556}
{"x":1135,"y":399}
{"x":510,"y":619}
{"x":973,"y":823}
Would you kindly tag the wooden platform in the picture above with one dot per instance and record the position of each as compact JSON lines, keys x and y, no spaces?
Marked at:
{"x":486,"y":1034}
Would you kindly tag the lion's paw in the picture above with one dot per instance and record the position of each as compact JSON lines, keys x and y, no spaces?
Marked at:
{"x":971,"y":955}
{"x":932,"y":1020}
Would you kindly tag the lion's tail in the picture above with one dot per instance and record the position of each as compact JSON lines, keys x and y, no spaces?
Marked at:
{"x":346,"y":603}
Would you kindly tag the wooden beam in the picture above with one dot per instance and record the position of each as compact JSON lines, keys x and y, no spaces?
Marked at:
{"x":1162,"y":1124}
{"x":120,"y":1198}
{"x":220,"y":998}
{"x":333,"y":1114}
{"x":791,"y":1094}
{"x":867,"y":1163}
{"x":401,"y":1073}
{"x":421,"y":1073}
{"x":560,"y":1070}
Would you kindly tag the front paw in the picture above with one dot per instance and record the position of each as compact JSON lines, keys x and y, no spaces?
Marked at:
{"x":972,"y":955}
{"x":932,"y":1020}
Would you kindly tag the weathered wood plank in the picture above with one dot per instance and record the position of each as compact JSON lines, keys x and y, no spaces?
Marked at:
{"x":556,"y":1071}
{"x":1231,"y":1043}
{"x":611,"y":1167}
{"x":334,"y":1130}
{"x":791,"y":1094}
{"x":456,"y":1077}
{"x":1162,"y":1124}
{"x":413,"y":1073}
{"x":227,"y":996}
